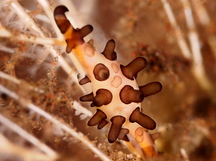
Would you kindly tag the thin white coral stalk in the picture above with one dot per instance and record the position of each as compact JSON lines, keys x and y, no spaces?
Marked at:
{"x":79,"y":109}
{"x":195,"y":55}
{"x":10,"y":78}
{"x":184,"y":154}
{"x":26,"y":135}
{"x":10,"y":150}
{"x":30,"y":38}
{"x":31,"y":24}
{"x":17,"y":81}
{"x":4,"y":32}
{"x":205,"y":20}
{"x":47,"y":9}
{"x":201,"y":11}
{"x":179,"y":35}
{"x":56,"y":122}
{"x":16,"y":7}
{"x":198,"y":68}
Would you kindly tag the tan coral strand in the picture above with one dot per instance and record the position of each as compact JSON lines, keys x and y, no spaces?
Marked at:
{"x":116,"y":94}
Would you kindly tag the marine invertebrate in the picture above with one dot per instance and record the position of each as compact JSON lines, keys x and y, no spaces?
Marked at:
{"x":32,"y":48}
{"x":116,"y":93}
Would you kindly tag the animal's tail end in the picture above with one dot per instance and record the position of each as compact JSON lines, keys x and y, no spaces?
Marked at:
{"x":72,"y":36}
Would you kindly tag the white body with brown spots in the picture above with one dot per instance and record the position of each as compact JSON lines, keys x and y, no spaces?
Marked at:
{"x":115,"y":83}
{"x":116,"y":94}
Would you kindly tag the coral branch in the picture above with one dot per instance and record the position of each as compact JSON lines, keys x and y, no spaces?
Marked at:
{"x":10,"y":150}
{"x":32,"y":25}
{"x":46,"y":7}
{"x":64,"y":126}
{"x":205,"y":20}
{"x":17,"y":81}
{"x":16,"y":7}
{"x":179,"y":35}
{"x":198,"y":68}
{"x":23,"y":133}
{"x":30,"y":38}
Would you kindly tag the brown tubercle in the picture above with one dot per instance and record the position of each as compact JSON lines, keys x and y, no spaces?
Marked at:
{"x":61,"y":19}
{"x":97,"y":118}
{"x":102,"y":124}
{"x":154,"y":136}
{"x":84,"y":80}
{"x":151,"y":88}
{"x":123,"y":134}
{"x":130,"y":71}
{"x":128,"y":95}
{"x":88,"y":97}
{"x":109,"y":52}
{"x":142,"y":119}
{"x":103,"y":97}
{"x":115,"y":128}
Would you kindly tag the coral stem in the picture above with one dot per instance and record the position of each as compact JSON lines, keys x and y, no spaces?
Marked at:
{"x":25,"y":134}
{"x":198,"y":68}
{"x":179,"y":35}
{"x":77,"y":135}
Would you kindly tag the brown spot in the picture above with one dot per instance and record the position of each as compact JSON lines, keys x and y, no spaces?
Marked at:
{"x":102,"y":124}
{"x":103,"y":97}
{"x":151,"y":88}
{"x":128,"y":95}
{"x":123,"y":134}
{"x":142,"y":119}
{"x":130,"y":71}
{"x":116,"y":82}
{"x":97,"y":118}
{"x":84,"y":80}
{"x":101,"y":72}
{"x":115,"y":128}
{"x":88,"y":97}
{"x":109,"y":52}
